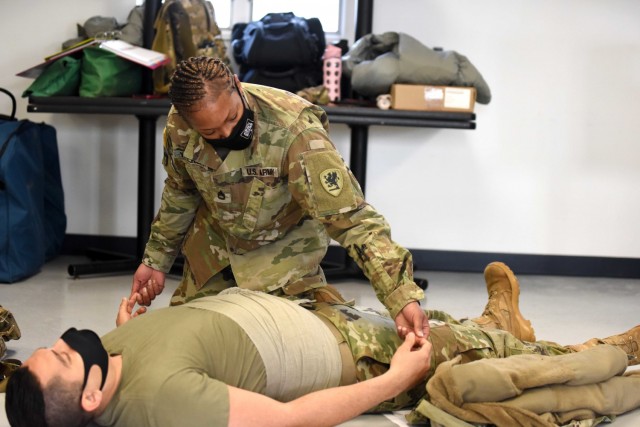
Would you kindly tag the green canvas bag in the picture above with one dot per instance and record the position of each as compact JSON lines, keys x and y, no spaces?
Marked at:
{"x":106,"y":74}
{"x":60,"y":78}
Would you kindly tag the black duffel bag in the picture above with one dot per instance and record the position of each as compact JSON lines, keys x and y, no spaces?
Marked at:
{"x":293,"y":79}
{"x":278,"y":41}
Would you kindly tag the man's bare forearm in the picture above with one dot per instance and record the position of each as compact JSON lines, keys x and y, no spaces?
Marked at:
{"x":409,"y":365}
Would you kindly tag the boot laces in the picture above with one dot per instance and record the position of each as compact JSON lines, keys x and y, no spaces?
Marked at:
{"x":502,"y":317}
{"x":628,"y":344}
{"x":491,"y":309}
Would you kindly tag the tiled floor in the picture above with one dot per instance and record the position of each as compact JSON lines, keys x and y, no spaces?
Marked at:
{"x":562,"y":309}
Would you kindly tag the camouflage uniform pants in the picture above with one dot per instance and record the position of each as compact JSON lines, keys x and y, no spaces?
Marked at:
{"x":372,"y":338}
{"x":188,"y":290}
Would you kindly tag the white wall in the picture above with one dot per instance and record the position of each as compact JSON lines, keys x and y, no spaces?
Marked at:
{"x":553,"y":167}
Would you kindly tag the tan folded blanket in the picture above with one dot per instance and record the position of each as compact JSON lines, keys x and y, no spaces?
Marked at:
{"x":534,"y":390}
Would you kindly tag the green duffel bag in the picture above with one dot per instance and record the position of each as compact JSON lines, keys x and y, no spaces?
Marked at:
{"x":60,"y":78}
{"x":106,"y":74}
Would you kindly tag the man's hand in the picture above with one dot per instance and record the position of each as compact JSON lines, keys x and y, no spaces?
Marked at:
{"x":125,"y":311}
{"x":147,"y":284}
{"x":413,"y":319}
{"x":411,"y":361}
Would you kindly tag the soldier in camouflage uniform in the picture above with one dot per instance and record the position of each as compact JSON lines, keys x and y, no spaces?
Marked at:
{"x":9,"y":330}
{"x":254,"y":194}
{"x":375,"y":369}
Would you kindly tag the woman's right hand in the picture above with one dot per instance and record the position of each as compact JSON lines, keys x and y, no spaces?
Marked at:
{"x":147,"y":284}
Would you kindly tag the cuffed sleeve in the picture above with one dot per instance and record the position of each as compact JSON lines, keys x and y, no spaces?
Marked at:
{"x":367,"y":238}
{"x":325,"y":188}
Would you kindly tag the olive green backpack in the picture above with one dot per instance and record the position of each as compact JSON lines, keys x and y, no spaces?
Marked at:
{"x":185,"y":28}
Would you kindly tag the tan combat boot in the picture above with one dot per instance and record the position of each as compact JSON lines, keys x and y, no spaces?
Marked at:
{"x":502,"y":310}
{"x":628,"y":341}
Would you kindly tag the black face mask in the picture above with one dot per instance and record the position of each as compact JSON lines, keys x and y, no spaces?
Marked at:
{"x":242,"y":133}
{"x":88,"y":344}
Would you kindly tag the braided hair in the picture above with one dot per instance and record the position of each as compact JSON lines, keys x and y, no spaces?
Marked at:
{"x":198,"y":78}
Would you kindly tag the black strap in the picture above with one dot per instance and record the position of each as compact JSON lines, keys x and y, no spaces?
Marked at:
{"x":13,"y":109}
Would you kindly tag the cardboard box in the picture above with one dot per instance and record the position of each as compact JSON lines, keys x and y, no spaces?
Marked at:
{"x":433,"y":98}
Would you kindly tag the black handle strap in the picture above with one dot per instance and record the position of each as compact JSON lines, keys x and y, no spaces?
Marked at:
{"x":13,"y":108}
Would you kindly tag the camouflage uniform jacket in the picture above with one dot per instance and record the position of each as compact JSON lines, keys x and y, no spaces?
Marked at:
{"x":269,"y":210}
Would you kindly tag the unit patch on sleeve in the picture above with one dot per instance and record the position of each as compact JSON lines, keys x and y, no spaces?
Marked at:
{"x":332,"y":181}
{"x":330,"y":188}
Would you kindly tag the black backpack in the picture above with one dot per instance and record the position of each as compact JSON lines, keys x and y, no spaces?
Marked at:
{"x":280,"y":50}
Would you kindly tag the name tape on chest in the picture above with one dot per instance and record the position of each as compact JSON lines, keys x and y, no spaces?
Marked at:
{"x":260,"y":172}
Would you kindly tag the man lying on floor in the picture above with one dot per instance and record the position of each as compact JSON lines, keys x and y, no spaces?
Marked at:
{"x":244,"y":358}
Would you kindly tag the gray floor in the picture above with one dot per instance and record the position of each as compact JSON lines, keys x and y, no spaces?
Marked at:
{"x":562,"y":309}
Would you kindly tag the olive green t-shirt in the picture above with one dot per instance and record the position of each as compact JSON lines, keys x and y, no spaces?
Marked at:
{"x":187,"y":385}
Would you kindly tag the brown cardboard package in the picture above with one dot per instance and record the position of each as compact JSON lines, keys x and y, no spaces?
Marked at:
{"x":432,"y":98}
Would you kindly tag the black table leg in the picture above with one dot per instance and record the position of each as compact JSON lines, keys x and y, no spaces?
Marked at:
{"x":146,"y":180}
{"x":114,"y":262}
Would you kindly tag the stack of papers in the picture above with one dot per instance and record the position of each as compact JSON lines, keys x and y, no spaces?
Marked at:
{"x":145,"y":57}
